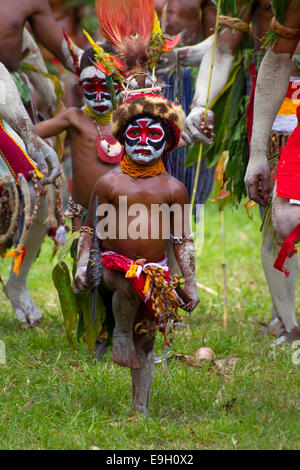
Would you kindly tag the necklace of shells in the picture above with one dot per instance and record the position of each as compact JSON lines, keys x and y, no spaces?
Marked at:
{"x":109,"y":149}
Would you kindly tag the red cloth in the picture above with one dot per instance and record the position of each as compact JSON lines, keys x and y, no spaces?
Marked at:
{"x":116,"y":262}
{"x":288,"y":171}
{"x":287,"y":250}
{"x":13,"y":155}
{"x":250,"y":107}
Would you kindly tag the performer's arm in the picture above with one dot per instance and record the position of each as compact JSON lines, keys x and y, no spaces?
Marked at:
{"x":43,"y":85}
{"x":272,"y":83}
{"x":52,"y":127}
{"x":50,"y":35}
{"x":101,"y":189}
{"x":13,"y":112}
{"x":83,"y":249}
{"x":227,"y":44}
{"x":187,"y":56}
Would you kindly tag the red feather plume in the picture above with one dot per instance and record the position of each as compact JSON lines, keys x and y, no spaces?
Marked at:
{"x":128,"y":25}
{"x":122,"y":18}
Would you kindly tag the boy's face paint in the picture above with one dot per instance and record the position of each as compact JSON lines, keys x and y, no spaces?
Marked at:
{"x":96,"y":94}
{"x":145,"y":140}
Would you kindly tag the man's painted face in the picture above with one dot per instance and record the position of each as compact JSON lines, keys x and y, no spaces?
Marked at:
{"x":145,"y":140}
{"x":96,"y":94}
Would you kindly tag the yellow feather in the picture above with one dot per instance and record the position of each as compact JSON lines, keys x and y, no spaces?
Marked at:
{"x":98,"y":49}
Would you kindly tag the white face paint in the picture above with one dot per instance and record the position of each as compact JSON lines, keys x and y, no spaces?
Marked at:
{"x":94,"y":87}
{"x":145,"y":140}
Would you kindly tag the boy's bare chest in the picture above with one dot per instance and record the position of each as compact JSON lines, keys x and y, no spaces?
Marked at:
{"x":95,"y":145}
{"x":13,"y":16}
{"x":145,"y":191}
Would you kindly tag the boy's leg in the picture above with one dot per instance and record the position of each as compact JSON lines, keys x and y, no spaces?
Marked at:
{"x":142,"y":378}
{"x":125,"y":304}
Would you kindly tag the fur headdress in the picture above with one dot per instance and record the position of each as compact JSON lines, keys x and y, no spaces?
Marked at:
{"x":171,"y":116}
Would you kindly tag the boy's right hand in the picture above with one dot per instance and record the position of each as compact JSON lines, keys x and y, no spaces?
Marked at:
{"x":192,"y":293}
{"x":79,"y":284}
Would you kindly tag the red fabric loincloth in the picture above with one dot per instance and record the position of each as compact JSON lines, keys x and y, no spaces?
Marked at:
{"x":250,"y":107}
{"x":288,"y":187}
{"x":288,"y":171}
{"x":138,"y":277}
{"x":116,"y":262}
{"x":287,"y":250}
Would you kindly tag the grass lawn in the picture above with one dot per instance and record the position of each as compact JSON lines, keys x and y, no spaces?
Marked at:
{"x":54,"y":398}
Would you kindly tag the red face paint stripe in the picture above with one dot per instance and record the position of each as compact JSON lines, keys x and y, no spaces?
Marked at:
{"x":145,"y":130}
{"x":96,"y":87}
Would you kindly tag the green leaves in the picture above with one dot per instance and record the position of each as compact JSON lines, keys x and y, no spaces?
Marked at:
{"x":226,"y":110}
{"x":280,"y":8}
{"x":62,"y":282}
{"x":77,"y":308}
{"x":227,"y":7}
{"x":91,"y":331}
{"x":66,"y":248}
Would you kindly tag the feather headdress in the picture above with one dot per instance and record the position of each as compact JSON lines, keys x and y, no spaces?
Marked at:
{"x":132,"y":26}
{"x":128,"y":24}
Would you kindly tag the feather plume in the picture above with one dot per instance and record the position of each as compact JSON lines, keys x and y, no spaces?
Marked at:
{"x":128,"y":25}
{"x":122,"y":18}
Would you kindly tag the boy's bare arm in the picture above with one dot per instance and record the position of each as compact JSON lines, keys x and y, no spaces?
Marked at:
{"x":101,"y":190}
{"x":52,"y":127}
{"x":184,"y":248}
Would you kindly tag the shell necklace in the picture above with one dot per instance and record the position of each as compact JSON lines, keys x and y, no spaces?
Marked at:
{"x":109,"y":149}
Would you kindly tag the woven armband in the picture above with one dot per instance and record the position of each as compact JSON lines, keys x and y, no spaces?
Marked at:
{"x":86,"y":229}
{"x":234,"y":23}
{"x":284,"y":31}
{"x":74,"y":209}
{"x":180,"y":240}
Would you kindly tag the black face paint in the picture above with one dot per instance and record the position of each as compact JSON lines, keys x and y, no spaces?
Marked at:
{"x":145,"y":139}
{"x":96,"y":94}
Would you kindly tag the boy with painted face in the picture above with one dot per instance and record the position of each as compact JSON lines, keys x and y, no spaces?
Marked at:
{"x":147,"y":125}
{"x":145,"y":140}
{"x":94,"y":150}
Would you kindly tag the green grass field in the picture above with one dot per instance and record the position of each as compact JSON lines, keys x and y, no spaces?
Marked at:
{"x":54,"y":398}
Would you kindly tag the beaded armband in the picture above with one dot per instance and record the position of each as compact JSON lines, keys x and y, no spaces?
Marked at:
{"x":86,"y":229}
{"x":74,"y":209}
{"x":180,"y":240}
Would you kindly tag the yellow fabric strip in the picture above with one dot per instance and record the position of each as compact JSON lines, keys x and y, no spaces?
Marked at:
{"x":132,"y":270}
{"x":147,"y":285}
{"x":18,"y":255}
{"x":288,"y":107}
{"x":102,"y":118}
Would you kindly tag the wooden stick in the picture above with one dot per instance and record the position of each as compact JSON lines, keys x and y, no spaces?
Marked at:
{"x":207,"y":289}
{"x":225,"y":316}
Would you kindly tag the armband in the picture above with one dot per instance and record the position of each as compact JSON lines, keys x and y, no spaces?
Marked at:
{"x":180,"y":240}
{"x":85,"y":228}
